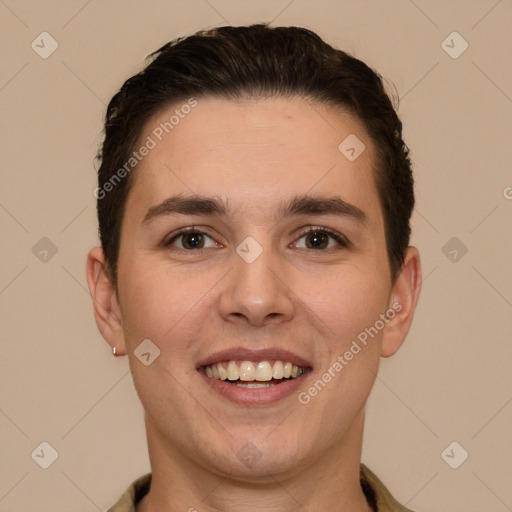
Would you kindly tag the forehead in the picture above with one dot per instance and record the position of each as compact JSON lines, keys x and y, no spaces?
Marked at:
{"x":255,"y":152}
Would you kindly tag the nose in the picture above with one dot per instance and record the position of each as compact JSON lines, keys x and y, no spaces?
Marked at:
{"x":256,"y":292}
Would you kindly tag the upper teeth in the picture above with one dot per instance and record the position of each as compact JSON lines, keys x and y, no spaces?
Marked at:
{"x":249,"y":371}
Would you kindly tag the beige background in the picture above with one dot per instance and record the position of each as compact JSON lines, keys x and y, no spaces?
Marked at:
{"x":451,"y":380}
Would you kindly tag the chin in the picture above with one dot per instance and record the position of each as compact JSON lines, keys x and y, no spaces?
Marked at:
{"x":259,"y":460}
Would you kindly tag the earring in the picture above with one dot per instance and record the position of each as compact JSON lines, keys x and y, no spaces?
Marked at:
{"x":114,"y":351}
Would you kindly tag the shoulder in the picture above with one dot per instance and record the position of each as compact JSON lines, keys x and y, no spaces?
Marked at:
{"x":377,"y":494}
{"x":132,"y":495}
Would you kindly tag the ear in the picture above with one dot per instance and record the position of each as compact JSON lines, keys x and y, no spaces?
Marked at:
{"x":404,"y":297}
{"x":106,"y":307}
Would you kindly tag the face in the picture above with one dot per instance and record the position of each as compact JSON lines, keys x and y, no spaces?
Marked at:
{"x":249,"y":242}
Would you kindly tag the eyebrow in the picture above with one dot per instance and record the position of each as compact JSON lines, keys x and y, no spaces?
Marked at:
{"x":297,"y":205}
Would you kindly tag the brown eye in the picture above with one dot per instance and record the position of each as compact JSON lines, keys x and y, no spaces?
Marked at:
{"x":191,"y":239}
{"x":317,"y":240}
{"x":321,"y":239}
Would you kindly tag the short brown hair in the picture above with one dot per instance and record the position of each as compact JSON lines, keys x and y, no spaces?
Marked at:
{"x":253,"y":61}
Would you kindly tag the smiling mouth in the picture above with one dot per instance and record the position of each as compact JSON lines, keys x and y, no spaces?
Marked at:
{"x":249,"y":374}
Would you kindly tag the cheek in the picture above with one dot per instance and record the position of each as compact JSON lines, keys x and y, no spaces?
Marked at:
{"x":347,"y":302}
{"x":165,"y":309}
{"x":151,"y":307}
{"x":164,"y":305}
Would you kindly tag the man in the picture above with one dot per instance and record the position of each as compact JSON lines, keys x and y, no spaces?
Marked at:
{"x":254,"y":200}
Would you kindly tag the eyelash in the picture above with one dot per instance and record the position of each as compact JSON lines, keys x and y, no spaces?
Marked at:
{"x":342,"y":241}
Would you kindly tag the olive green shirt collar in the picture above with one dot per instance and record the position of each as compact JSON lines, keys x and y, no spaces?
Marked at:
{"x":376,"y":493}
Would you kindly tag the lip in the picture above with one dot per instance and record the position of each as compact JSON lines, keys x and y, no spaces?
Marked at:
{"x":243,"y":354}
{"x":255,"y":396}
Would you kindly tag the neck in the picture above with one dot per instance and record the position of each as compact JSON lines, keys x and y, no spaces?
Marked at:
{"x":328,"y":482}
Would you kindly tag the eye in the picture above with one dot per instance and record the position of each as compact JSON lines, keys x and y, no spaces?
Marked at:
{"x":321,"y":238}
{"x":191,"y":239}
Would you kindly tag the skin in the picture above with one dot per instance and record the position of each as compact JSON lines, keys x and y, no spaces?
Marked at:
{"x":312,"y":301}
